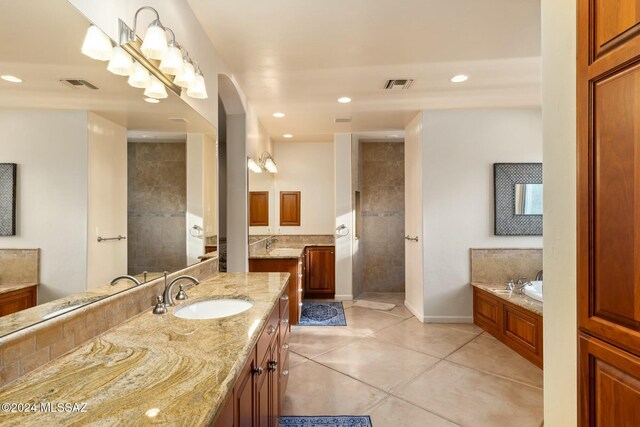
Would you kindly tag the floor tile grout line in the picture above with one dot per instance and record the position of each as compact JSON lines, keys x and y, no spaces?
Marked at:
{"x":494,"y":374}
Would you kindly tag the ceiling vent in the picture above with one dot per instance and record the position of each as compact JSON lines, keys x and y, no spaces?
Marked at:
{"x":343,"y":119}
{"x":178,"y":119}
{"x":396,"y":84}
{"x":78,"y":84}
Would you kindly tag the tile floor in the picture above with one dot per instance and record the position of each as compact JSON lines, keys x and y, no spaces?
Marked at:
{"x":403,"y":373}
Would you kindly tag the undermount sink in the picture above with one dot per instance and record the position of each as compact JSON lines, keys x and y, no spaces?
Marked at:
{"x":213,"y":309}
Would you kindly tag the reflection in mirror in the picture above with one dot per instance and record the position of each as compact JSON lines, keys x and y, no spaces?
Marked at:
{"x":94,"y":160}
{"x":261,"y":204}
{"x":528,"y":199}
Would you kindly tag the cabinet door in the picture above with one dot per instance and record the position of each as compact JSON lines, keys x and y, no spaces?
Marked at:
{"x":244,"y":395}
{"x":263,"y":394}
{"x":258,"y":208}
{"x":12,"y":302}
{"x":274,"y":383}
{"x":609,"y":380}
{"x":486,"y":310}
{"x":290,"y":208}
{"x":320,"y":271}
{"x":522,"y":330}
{"x":225,"y":418}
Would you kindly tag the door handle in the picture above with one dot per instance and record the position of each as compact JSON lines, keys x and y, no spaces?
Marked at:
{"x":411,"y":239}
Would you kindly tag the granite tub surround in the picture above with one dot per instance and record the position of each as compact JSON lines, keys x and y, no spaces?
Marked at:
{"x":502,"y":265}
{"x":521,"y":300}
{"x":27,"y":341}
{"x":155,"y":369}
{"x":19,"y":266}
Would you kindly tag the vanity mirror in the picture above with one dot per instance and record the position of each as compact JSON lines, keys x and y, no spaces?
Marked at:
{"x":262,"y":198}
{"x":518,"y":199}
{"x":108,"y":183}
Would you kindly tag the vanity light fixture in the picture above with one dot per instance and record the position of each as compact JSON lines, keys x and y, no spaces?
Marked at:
{"x":96,"y":44}
{"x":287,"y":135}
{"x":120,"y":62}
{"x":140,"y":77}
{"x":155,"y":89}
{"x":150,"y":101}
{"x":253,"y":166}
{"x":278,"y":115}
{"x":12,"y":79}
{"x":459,"y":78}
{"x":344,"y":100}
{"x":172,"y":60}
{"x":267,"y":162}
{"x":187,"y":76}
{"x":197,"y":89}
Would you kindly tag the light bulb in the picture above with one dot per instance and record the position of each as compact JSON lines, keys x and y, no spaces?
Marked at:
{"x":186,"y":78}
{"x":140,"y":77}
{"x":96,"y":44}
{"x":120,"y":62}
{"x":154,"y":45}
{"x":198,"y":89}
{"x":156,"y":89}
{"x":271,"y":165}
{"x":253,"y":166}
{"x":172,"y":61}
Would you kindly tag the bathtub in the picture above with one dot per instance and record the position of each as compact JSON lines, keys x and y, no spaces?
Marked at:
{"x":534,"y":290}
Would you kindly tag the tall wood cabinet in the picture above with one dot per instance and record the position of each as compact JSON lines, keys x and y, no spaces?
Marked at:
{"x":608,"y":108}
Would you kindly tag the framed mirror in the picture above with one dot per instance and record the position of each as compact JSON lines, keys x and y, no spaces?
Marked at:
{"x":518,"y":199}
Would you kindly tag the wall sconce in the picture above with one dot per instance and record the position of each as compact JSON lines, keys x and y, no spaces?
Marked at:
{"x":267,"y":162}
{"x":253,"y":166}
{"x":149,"y":63}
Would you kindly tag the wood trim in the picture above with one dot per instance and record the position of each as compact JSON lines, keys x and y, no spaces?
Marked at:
{"x":290,"y":208}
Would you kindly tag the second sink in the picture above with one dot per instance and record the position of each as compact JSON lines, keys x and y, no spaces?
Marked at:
{"x":213,"y":309}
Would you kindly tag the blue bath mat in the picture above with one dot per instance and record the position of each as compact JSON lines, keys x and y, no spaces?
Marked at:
{"x":322,"y":314}
{"x":333,"y":421}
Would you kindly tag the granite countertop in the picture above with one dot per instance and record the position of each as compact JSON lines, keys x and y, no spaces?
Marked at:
{"x":10,"y":287}
{"x":154,"y":369}
{"x":521,"y":300}
{"x":291,"y":251}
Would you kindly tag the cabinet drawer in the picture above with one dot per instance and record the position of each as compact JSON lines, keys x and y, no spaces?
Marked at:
{"x":269,"y":333}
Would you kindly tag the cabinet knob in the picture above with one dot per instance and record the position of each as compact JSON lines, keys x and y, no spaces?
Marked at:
{"x":285,"y":321}
{"x":259,"y":370}
{"x":285,"y":372}
{"x":300,"y":275}
{"x":272,"y":365}
{"x":285,"y":298}
{"x":300,"y":304}
{"x":271,"y":329}
{"x":300,"y":290}
{"x":285,"y":346}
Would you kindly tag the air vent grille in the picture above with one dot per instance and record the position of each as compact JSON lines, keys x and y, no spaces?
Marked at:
{"x":396,"y":84}
{"x":178,"y":119}
{"x":343,"y":119}
{"x":78,"y":83}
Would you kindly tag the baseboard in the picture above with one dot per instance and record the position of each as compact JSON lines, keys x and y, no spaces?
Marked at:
{"x":448,"y":319}
{"x":413,"y":310}
{"x":343,"y":297}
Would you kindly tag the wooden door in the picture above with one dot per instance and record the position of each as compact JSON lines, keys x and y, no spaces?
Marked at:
{"x":608,"y":106}
{"x":321,"y":272}
{"x":244,"y":395}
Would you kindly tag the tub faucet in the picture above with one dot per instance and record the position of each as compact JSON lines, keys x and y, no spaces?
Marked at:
{"x":539,"y":275}
{"x":125,"y":277}
{"x":168,"y":289}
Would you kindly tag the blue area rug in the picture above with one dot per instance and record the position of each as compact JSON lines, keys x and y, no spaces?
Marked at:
{"x":322,"y":314}
{"x":333,"y":421}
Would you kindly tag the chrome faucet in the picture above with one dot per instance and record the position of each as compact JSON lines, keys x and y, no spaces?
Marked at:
{"x":125,"y":277}
{"x":168,"y":289}
{"x":270,"y":241}
{"x":521,"y":284}
{"x":539,"y":275}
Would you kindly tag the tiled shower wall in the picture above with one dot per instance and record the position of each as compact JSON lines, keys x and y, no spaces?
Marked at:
{"x":157,"y":204}
{"x":382,"y":196}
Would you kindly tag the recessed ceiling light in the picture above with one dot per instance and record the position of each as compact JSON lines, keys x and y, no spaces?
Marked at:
{"x":459,"y":78}
{"x":287,"y":135}
{"x":152,"y":100}
{"x":12,"y":79}
{"x":344,"y":100}
{"x":278,"y":115}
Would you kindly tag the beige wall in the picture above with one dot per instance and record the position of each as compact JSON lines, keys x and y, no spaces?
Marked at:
{"x":559,"y":124}
{"x":107,"y":210}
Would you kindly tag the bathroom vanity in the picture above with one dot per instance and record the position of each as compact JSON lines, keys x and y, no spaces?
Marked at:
{"x":14,"y":298}
{"x":172,"y":371}
{"x":513,"y":318}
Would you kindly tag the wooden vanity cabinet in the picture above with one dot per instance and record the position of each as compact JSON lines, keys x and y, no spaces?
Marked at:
{"x":256,"y":398}
{"x":320,"y":272}
{"x":293,"y":266}
{"x":516,"y":327}
{"x":18,"y":300}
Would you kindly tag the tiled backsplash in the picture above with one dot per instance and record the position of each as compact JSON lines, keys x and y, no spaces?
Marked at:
{"x":29,"y":348}
{"x":19,"y":265}
{"x":258,"y":242}
{"x":501,"y":265}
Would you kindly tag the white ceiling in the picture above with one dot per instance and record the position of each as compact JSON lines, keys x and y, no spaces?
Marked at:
{"x":298,"y":57}
{"x":41,"y":45}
